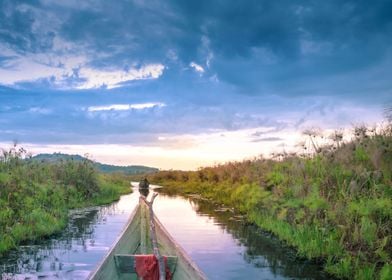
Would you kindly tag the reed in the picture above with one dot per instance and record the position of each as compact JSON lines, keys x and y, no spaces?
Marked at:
{"x":35,"y":196}
{"x":334,"y":205}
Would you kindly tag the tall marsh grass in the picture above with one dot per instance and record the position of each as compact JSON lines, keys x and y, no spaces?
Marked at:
{"x":333,"y":206}
{"x":35,"y":196}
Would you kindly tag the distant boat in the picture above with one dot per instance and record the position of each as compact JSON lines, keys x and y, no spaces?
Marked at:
{"x":144,"y":234}
{"x":144,"y":184}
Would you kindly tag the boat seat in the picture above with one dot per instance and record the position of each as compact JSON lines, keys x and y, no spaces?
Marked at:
{"x":126,"y":263}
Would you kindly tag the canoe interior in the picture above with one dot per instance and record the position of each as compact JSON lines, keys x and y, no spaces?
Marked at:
{"x":135,"y":239}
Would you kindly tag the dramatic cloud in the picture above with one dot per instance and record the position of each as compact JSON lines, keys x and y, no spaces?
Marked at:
{"x":286,"y":48}
{"x":70,"y":72}
{"x":132,"y":72}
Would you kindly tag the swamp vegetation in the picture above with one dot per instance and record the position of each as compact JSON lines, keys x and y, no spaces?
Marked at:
{"x":35,"y":195}
{"x":334,"y":205}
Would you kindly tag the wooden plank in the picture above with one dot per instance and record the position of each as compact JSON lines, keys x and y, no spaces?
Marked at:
{"x":126,"y":263}
{"x":143,"y":230}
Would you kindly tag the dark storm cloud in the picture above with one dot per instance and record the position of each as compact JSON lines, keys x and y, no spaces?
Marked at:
{"x":252,"y":42}
{"x":254,"y":63}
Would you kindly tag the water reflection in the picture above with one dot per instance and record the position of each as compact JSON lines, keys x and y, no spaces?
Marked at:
{"x":219,"y":241}
{"x":73,"y":253}
{"x":225,"y":246}
{"x":261,"y":249}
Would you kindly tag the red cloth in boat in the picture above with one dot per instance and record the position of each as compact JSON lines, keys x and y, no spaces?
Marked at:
{"x":148,"y":268}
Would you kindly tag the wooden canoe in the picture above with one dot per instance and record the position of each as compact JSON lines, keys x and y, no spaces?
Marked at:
{"x":142,"y":231}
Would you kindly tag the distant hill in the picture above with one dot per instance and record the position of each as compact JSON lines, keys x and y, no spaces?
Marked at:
{"x":107,"y":168}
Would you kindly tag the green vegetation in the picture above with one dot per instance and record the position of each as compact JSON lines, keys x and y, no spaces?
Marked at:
{"x":334,"y":206}
{"x":105,"y":168}
{"x":35,"y":196}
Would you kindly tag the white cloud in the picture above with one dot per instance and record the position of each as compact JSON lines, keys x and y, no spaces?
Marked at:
{"x":125,"y":107}
{"x":112,"y":79}
{"x":60,"y":70}
{"x":197,"y":67}
{"x":27,"y":68}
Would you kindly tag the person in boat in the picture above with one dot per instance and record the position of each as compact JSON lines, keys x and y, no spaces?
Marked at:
{"x":143,"y":187}
{"x":143,"y":184}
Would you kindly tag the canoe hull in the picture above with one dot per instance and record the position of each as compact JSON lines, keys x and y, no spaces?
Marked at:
{"x":135,"y":240}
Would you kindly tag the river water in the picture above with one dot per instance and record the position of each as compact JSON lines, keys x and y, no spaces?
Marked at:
{"x":219,"y":241}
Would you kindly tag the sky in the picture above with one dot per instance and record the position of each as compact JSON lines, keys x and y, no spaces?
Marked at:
{"x":182,"y":84}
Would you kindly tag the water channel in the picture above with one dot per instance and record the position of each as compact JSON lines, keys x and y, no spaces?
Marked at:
{"x":218,"y":240}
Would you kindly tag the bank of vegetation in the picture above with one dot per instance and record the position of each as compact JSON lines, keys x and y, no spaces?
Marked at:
{"x":35,"y":195}
{"x":334,"y":206}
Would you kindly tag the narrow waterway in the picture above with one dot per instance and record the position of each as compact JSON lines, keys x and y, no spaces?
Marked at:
{"x":217,"y":239}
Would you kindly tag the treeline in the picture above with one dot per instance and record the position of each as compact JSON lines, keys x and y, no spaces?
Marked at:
{"x":334,"y":206}
{"x":35,"y":196}
{"x":105,"y":168}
